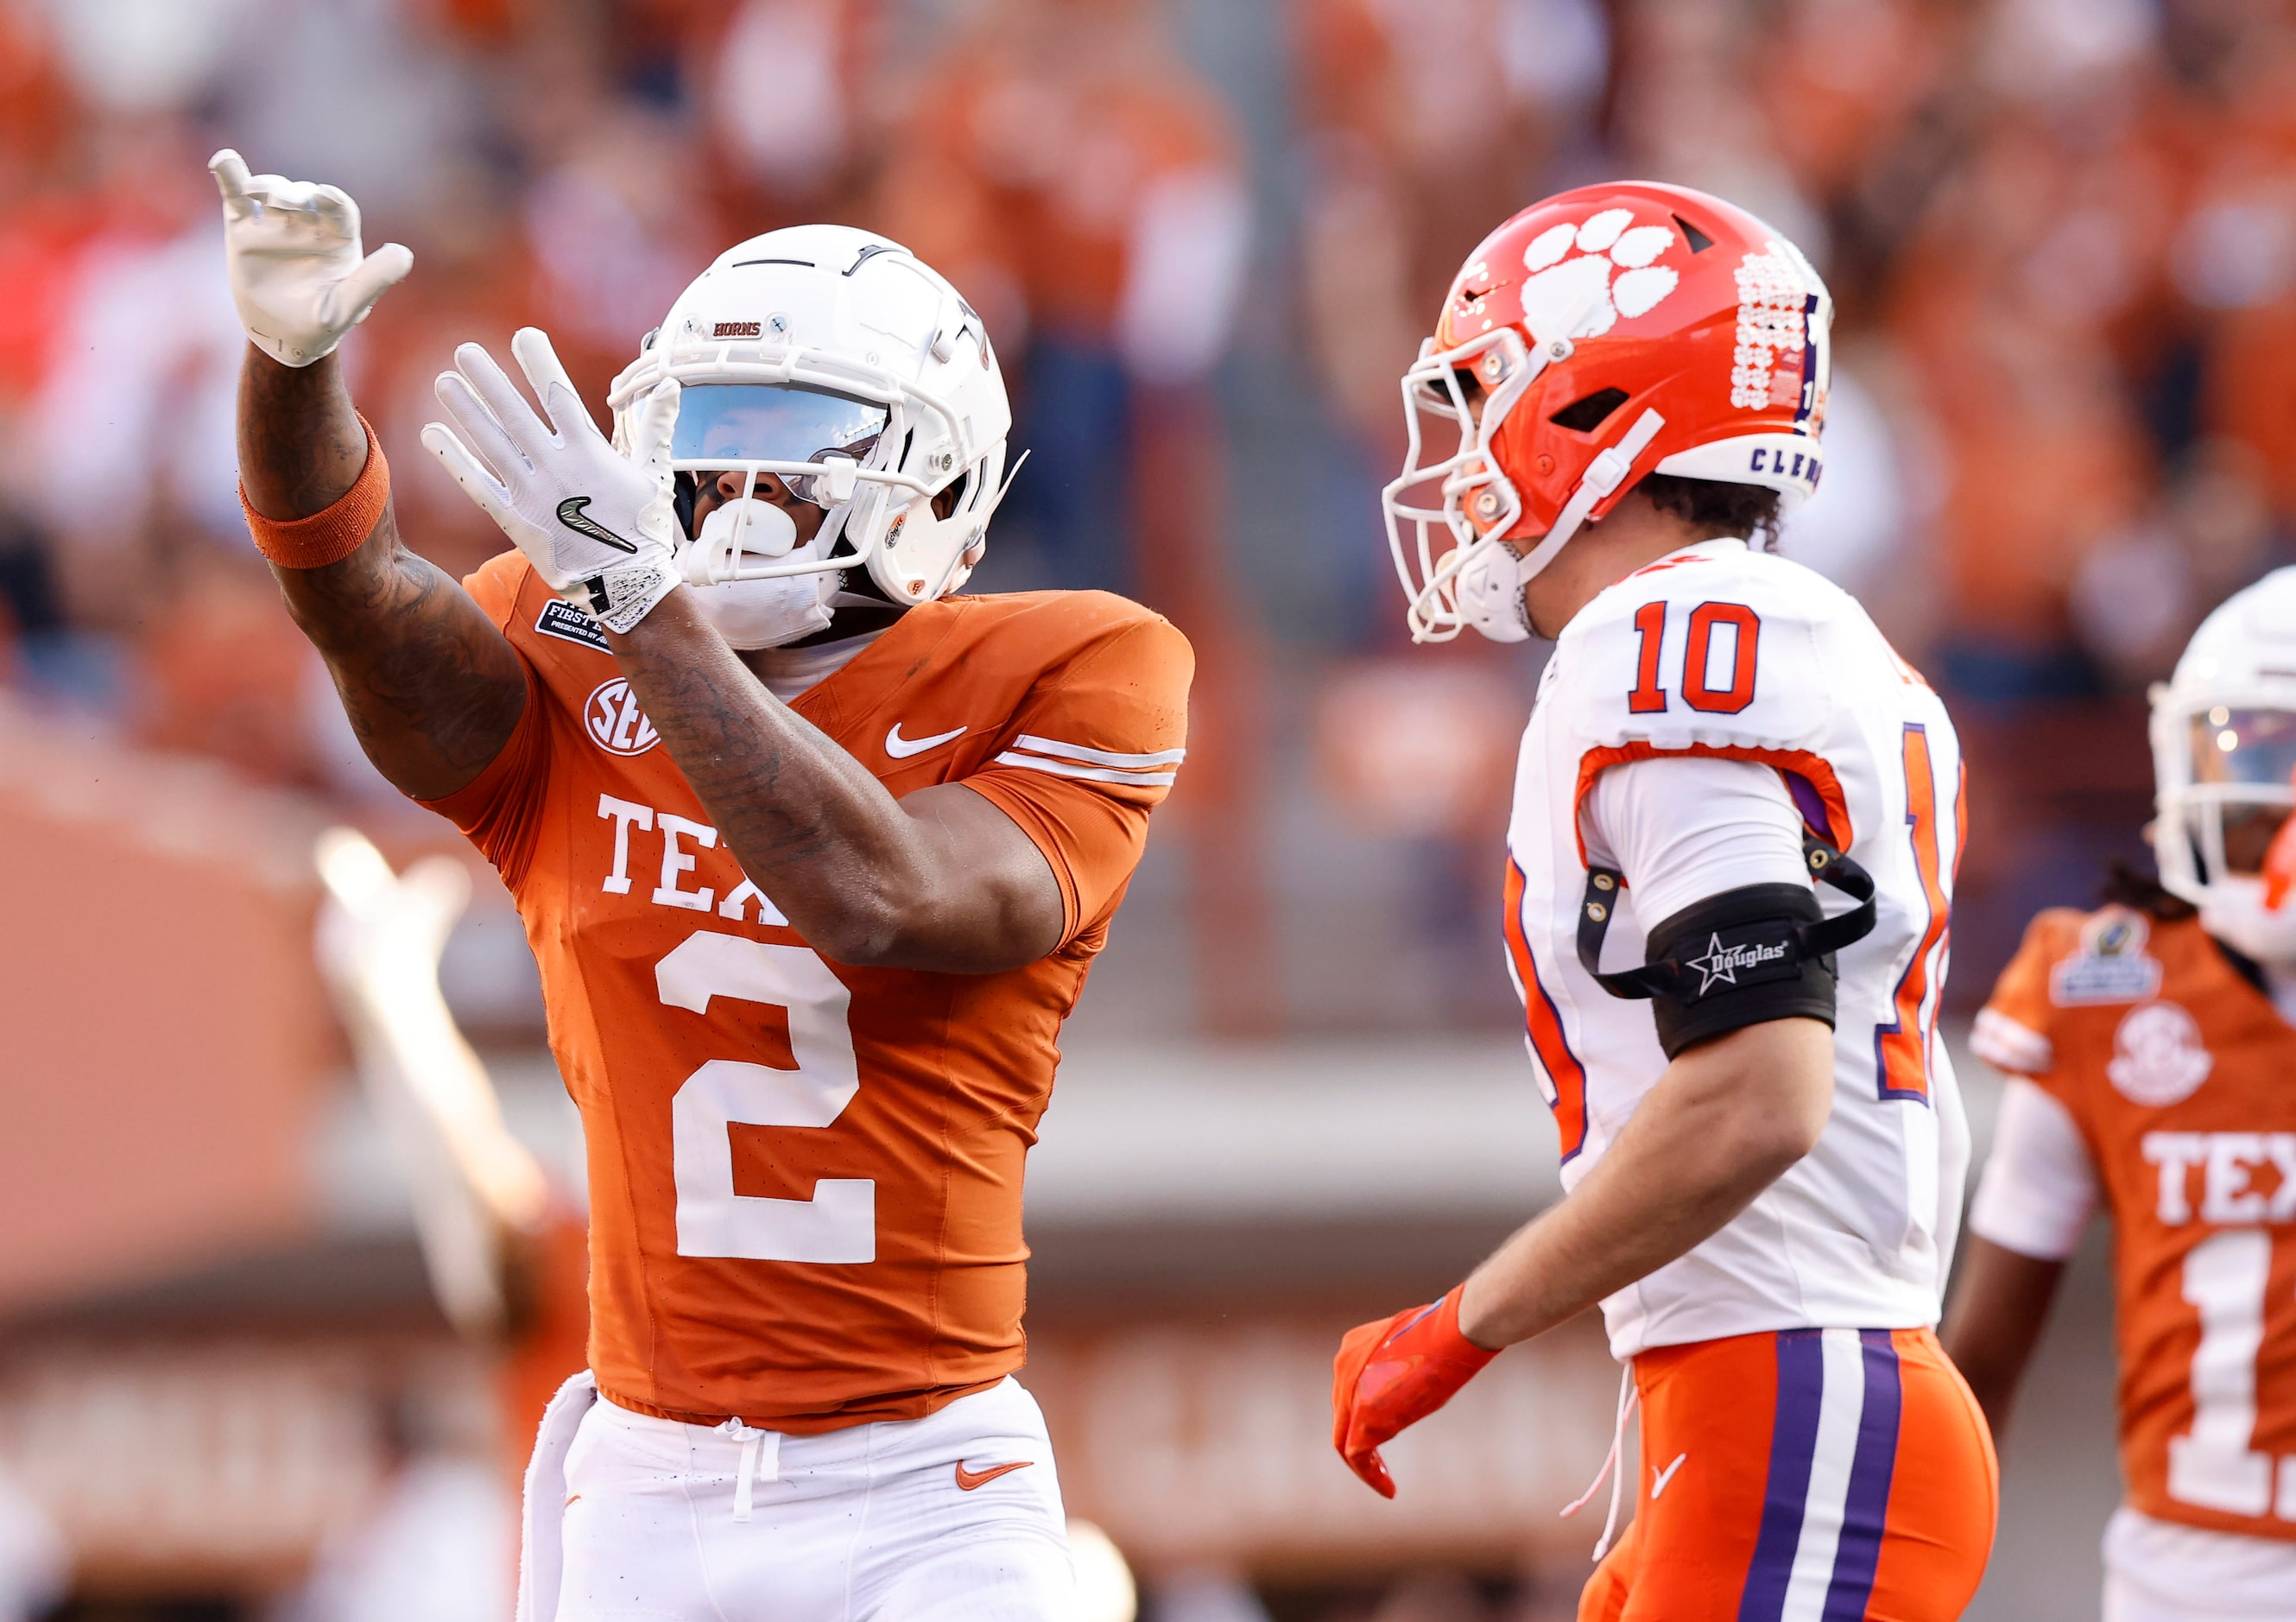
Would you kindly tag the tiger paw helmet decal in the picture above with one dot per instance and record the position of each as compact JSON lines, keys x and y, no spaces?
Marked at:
{"x":1602,"y":335}
{"x":1613,"y":273}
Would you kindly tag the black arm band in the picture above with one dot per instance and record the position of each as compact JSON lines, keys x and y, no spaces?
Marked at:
{"x":1743,"y":957}
{"x":1738,"y":960}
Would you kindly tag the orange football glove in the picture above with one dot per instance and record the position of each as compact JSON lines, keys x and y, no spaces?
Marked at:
{"x":1395,"y":1373}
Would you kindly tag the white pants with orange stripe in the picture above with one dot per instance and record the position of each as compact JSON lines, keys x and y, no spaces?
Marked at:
{"x":954,"y":1517}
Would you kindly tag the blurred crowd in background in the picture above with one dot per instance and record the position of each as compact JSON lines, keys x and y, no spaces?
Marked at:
{"x":1207,"y":236}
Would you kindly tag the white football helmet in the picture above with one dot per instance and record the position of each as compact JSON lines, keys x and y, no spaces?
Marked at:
{"x":838,"y":362}
{"x":2224,"y":752}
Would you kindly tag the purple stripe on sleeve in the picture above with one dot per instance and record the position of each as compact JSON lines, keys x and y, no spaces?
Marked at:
{"x":1793,"y":1442}
{"x":1866,"y":1508}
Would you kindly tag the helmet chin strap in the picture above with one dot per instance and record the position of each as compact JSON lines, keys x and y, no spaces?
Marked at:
{"x":1491,"y":593}
{"x":1603,"y":474}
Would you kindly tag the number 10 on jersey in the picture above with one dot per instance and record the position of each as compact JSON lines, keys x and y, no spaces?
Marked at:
{"x":1738,"y":624}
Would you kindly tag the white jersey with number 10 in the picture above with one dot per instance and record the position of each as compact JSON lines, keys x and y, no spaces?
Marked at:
{"x":1724,"y":653}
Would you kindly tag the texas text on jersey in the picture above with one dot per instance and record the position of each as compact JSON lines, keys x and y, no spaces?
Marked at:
{"x":1722,"y":652}
{"x":2165,"y":1068}
{"x":806,"y":1177}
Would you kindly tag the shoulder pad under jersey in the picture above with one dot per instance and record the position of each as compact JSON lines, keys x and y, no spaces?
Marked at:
{"x":1730,"y":649}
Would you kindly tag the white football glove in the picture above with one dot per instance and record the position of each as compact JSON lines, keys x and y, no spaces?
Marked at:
{"x":296,"y":272}
{"x":599,"y":527}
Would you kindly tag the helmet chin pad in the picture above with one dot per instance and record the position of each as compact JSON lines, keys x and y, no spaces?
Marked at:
{"x":746,"y":525}
{"x":1490,"y":587}
{"x":757,"y":613}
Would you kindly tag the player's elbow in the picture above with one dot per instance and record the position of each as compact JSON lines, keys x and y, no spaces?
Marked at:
{"x":1773,"y":1144}
{"x":956,"y":941}
{"x":865,"y":932}
{"x":888,"y":929}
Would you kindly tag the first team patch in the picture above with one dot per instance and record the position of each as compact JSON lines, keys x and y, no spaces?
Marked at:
{"x":569,"y":624}
{"x":2111,"y":965}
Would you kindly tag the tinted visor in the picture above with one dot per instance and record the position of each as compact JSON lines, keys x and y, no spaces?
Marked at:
{"x":720,"y":425}
{"x":2256,"y":746}
{"x":2253,"y":754}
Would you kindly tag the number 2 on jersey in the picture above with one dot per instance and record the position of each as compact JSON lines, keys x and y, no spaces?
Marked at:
{"x":1646,"y":697}
{"x":839,"y":1223}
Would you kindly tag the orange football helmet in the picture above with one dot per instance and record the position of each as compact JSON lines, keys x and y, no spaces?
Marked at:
{"x":1608,"y":333}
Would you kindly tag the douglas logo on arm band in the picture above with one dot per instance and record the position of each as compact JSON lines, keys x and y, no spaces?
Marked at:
{"x":1761,"y":952}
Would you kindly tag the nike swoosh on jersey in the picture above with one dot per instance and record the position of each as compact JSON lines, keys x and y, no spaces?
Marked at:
{"x":966,"y":1480}
{"x":901,"y":748}
{"x":570,"y":515}
{"x":1660,"y":1478}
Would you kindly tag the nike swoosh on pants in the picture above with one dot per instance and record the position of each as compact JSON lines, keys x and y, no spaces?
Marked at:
{"x":967,"y":1480}
{"x":901,"y":748}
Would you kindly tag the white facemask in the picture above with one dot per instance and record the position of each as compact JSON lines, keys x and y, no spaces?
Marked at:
{"x":751,"y":614}
{"x":2236,"y":914}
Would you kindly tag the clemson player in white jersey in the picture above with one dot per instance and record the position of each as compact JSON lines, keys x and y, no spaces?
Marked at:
{"x":814,"y":854}
{"x":2149,"y":1049}
{"x":1762,"y":1141}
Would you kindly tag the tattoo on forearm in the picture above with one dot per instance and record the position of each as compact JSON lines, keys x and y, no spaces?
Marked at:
{"x":864,"y":880}
{"x":301,"y":445}
{"x":805,"y":819}
{"x":431,"y":673}
{"x":707,"y":712}
{"x":432,"y":688}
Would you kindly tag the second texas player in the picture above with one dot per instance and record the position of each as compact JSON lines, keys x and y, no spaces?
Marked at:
{"x":2148,"y":1046}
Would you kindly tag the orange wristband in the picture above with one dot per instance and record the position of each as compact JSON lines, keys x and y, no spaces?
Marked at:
{"x":329,"y":536}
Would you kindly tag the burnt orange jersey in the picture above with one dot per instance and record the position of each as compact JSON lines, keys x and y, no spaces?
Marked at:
{"x":804,"y":1178}
{"x":2180,"y":1077}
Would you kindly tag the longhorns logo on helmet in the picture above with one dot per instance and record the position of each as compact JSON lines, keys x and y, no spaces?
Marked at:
{"x":1599,"y":336}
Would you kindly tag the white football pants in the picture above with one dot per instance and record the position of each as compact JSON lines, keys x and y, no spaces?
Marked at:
{"x":633,"y":1519}
{"x":2161,"y":1571}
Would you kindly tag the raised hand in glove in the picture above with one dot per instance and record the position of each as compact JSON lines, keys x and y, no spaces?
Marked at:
{"x":296,"y":272}
{"x":1392,"y":1374}
{"x":598,"y":526}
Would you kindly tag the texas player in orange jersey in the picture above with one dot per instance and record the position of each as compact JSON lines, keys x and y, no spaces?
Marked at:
{"x":2148,"y":1047}
{"x":814,"y":855}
